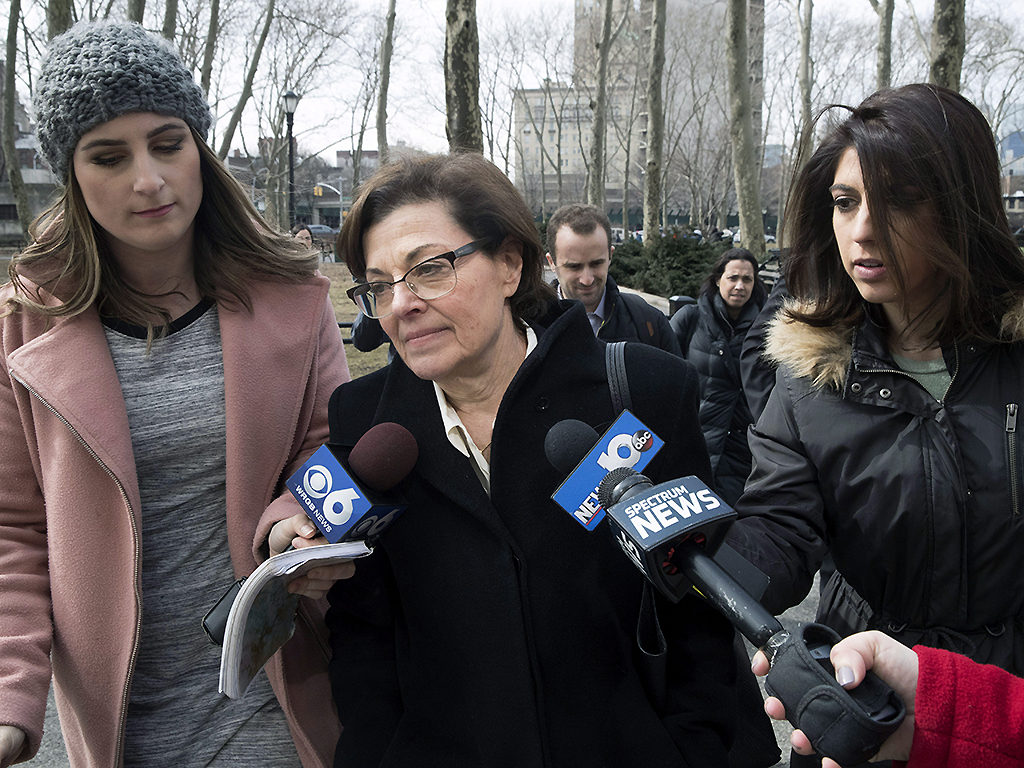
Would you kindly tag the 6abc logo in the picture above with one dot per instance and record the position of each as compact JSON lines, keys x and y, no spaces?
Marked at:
{"x":634,"y":444}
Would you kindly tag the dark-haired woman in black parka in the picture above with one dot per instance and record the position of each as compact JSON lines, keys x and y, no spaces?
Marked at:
{"x":711,"y":334}
{"x":892,"y":439}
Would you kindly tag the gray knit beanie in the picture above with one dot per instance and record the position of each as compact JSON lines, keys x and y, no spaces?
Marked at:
{"x":97,"y":71}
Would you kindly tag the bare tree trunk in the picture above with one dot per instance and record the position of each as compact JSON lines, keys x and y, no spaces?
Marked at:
{"x":741,"y":130}
{"x":11,"y":160}
{"x":806,"y":79}
{"x":385,"y":77}
{"x":948,"y":44}
{"x":136,"y":10}
{"x":543,"y":190}
{"x":883,"y":61}
{"x":625,"y":182}
{"x":655,"y":122}
{"x":357,"y":152}
{"x":357,"y":161}
{"x":170,"y":19}
{"x":755,"y":43}
{"x":59,"y":17}
{"x":558,"y":114}
{"x":595,"y":182}
{"x":462,"y":77}
{"x":236,"y":116}
{"x":780,"y":219}
{"x":211,"y":46}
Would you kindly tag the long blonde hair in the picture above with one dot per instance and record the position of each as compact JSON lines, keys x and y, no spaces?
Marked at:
{"x":70,"y":258}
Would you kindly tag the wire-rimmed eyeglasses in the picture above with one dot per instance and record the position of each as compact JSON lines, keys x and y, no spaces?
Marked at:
{"x":430,"y":279}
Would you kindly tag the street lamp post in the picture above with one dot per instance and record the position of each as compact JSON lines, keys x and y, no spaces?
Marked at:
{"x":291,"y":102}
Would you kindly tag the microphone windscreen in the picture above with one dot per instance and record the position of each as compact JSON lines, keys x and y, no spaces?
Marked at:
{"x":567,"y":443}
{"x":384,"y":456}
{"x":616,"y":485}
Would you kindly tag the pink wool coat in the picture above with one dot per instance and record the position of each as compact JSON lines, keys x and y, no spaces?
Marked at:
{"x":69,"y":501}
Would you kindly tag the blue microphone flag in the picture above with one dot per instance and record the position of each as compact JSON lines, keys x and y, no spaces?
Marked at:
{"x":626,"y":443}
{"x":336,"y":503}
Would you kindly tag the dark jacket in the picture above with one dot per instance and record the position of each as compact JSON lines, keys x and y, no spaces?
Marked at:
{"x":367,"y":333}
{"x":712,"y":343}
{"x":630,"y":318}
{"x":497,"y":631}
{"x":918,"y":501}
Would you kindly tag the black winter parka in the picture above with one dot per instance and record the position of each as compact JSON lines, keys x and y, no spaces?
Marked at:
{"x":714,"y":349}
{"x":497,"y":631}
{"x":918,"y":501}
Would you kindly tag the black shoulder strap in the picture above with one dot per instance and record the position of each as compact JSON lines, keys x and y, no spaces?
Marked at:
{"x":653,"y":661}
{"x":618,"y":383}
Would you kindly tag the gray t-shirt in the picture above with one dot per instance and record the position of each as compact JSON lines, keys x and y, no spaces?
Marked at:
{"x":930,"y":374}
{"x":175,"y":401}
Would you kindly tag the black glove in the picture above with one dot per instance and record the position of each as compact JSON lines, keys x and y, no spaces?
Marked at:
{"x":848,"y":726}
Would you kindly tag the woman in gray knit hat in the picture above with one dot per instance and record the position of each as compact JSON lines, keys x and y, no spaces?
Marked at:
{"x":168,"y":361}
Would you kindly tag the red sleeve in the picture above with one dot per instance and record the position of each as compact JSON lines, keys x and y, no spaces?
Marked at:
{"x":966,"y":714}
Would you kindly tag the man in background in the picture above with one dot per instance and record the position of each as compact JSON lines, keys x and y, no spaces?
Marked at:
{"x":580,"y":251}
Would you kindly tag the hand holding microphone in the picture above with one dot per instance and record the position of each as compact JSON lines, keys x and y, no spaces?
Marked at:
{"x":852,"y":657}
{"x":379,"y":461}
{"x":670,"y":531}
{"x":297,"y":532}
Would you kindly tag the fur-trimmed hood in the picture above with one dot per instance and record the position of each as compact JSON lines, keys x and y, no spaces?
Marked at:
{"x":823,"y":354}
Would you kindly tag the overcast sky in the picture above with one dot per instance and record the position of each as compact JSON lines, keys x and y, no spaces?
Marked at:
{"x":416,"y":94}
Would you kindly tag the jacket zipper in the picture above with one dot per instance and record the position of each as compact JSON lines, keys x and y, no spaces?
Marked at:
{"x":896,"y":371}
{"x":1011,"y":445}
{"x":135,"y":539}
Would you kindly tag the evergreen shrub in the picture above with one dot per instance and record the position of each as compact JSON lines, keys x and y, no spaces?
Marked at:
{"x":672,"y":265}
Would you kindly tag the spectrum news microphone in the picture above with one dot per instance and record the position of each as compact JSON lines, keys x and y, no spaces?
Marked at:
{"x":670,"y":531}
{"x":347,"y":497}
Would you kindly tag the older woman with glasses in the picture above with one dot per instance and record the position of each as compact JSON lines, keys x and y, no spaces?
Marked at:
{"x":489,"y":627}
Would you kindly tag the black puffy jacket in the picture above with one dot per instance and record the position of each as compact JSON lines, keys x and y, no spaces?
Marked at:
{"x":918,"y":501}
{"x":713,"y":343}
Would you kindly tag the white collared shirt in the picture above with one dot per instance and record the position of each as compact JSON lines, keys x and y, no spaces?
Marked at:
{"x":459,"y":436}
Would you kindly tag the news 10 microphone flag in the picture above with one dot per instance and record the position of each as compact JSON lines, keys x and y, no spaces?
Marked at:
{"x":626,"y":443}
{"x":336,"y":503}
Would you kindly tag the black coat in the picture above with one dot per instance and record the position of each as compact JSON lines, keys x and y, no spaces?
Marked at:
{"x":630,"y":318}
{"x":713,"y":344}
{"x":919,"y":502}
{"x":497,"y":631}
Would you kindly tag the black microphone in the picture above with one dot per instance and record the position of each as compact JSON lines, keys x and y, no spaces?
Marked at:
{"x":384,"y":456}
{"x":347,"y":497}
{"x":660,"y":527}
{"x":669,"y":532}
{"x":567,"y":442}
